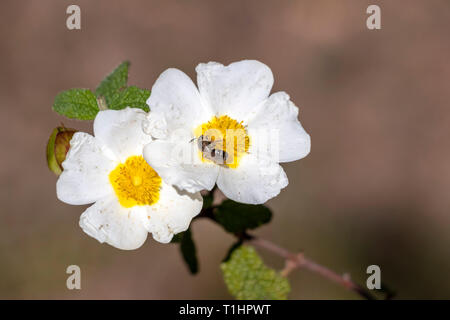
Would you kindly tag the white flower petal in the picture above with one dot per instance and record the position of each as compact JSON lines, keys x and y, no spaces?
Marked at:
{"x":254,"y":181}
{"x":234,"y":90}
{"x":155,"y":125}
{"x":175,"y":96}
{"x":277,"y":131}
{"x":172,"y":213}
{"x":121,"y":131}
{"x":178,"y":163}
{"x":85,"y":176}
{"x":107,"y":221}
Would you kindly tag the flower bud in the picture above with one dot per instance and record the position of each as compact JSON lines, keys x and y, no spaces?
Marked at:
{"x":57,"y":147}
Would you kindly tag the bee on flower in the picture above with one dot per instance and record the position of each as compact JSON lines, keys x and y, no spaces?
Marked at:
{"x":229,"y":131}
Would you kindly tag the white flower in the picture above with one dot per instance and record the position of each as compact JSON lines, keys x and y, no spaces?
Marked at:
{"x":130,"y":198}
{"x":234,"y":97}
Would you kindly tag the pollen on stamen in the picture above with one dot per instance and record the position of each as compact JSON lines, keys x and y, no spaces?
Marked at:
{"x":135,"y":182}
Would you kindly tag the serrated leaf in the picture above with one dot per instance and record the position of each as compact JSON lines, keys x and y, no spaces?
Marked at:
{"x":133,"y":97}
{"x":247,"y":278}
{"x":113,"y":82}
{"x":237,"y":217}
{"x":188,"y":250}
{"x":76,"y":104}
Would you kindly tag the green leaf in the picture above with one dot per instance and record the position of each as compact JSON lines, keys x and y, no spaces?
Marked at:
{"x":207,"y":200}
{"x":113,"y":82}
{"x":188,"y":250}
{"x":247,"y":278}
{"x":237,"y":217}
{"x":76,"y":104}
{"x":133,"y":97}
{"x":177,"y":238}
{"x":230,"y":251}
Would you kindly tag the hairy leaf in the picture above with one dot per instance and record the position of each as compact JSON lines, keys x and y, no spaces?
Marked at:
{"x":133,"y":97}
{"x":78,"y":104}
{"x":113,"y":82}
{"x":237,"y":217}
{"x":247,"y":278}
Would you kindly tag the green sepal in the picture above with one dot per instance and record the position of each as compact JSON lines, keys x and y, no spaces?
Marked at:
{"x":57,"y":147}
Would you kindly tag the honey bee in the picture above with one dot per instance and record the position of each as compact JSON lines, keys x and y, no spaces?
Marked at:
{"x":209,"y":151}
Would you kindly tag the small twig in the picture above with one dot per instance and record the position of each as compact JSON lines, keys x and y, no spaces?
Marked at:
{"x":289,"y":266}
{"x":294,"y":261}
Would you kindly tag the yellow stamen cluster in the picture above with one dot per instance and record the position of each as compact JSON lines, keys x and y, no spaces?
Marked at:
{"x":228,"y":135}
{"x":135,"y":182}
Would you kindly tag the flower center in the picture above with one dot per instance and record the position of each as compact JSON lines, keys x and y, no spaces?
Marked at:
{"x":135,"y":182}
{"x":222,"y":140}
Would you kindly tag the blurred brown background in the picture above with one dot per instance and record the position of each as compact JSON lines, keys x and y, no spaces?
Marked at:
{"x":374,"y":189}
